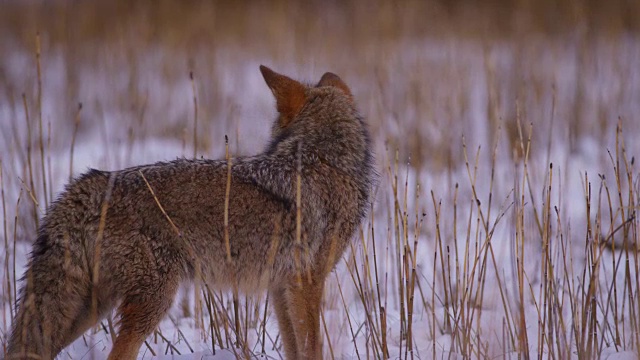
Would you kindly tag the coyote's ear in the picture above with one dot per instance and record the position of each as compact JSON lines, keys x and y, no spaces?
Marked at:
{"x":289,"y":94}
{"x":331,"y":79}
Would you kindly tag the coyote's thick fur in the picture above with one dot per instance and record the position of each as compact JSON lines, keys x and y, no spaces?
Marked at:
{"x":277,"y":221}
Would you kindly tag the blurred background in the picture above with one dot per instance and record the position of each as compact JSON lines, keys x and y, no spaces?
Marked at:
{"x":162,"y":79}
{"x":435,"y":67}
{"x":424,"y":73}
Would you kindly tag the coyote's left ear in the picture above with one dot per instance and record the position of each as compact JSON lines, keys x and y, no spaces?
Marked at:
{"x":289,"y":94}
{"x":331,"y":79}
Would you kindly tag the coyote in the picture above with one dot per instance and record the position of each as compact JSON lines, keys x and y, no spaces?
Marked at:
{"x":278,"y":221}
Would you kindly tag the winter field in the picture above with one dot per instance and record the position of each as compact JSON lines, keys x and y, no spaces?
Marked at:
{"x":505,"y":222}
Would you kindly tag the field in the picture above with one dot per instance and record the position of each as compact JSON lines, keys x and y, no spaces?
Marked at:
{"x":505,"y":221}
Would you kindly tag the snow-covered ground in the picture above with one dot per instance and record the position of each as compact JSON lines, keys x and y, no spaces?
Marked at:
{"x":136,"y":111}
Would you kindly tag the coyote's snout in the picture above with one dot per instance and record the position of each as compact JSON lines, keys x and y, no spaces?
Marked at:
{"x":277,"y":221}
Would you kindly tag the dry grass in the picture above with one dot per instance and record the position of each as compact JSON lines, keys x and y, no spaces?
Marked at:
{"x":485,"y":246}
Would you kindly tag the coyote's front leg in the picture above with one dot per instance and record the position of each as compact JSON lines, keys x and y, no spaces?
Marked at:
{"x":297,"y":305}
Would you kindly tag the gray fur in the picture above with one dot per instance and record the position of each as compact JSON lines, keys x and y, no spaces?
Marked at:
{"x":143,"y":257}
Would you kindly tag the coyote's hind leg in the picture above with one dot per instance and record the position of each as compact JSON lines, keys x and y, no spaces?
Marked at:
{"x":140,"y":314}
{"x":279,"y":300}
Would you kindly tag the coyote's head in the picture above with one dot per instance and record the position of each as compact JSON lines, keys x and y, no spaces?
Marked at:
{"x":293,"y":97}
{"x":319,"y":127}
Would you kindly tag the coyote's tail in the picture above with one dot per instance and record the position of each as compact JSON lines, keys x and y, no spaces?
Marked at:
{"x":53,"y":306}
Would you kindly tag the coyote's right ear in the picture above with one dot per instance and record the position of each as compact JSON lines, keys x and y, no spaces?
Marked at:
{"x":331,"y":79}
{"x":289,"y":94}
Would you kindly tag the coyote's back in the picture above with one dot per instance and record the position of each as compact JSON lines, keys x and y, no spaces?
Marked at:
{"x":276,"y":221}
